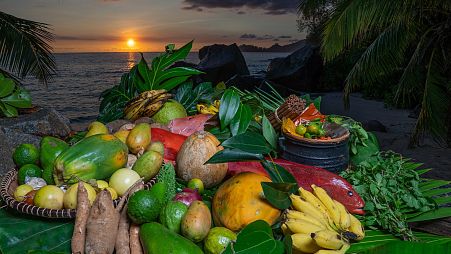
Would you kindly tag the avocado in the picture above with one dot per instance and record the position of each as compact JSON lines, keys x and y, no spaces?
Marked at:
{"x":155,"y":238}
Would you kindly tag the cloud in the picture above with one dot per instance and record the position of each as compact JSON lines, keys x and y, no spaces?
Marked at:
{"x":256,"y":37}
{"x":271,"y":7}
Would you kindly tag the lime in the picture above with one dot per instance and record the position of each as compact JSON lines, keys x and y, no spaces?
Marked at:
{"x":21,"y":191}
{"x":313,"y":129}
{"x":217,"y":240}
{"x":196,"y":184}
{"x":143,"y":206}
{"x":26,"y":154}
{"x":29,"y":170}
{"x":301,"y":129}
{"x":307,"y":135}
{"x":171,"y":109}
{"x":172,"y":214}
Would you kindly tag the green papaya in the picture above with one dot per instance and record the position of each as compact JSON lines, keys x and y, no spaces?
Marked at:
{"x":94,"y":157}
{"x":156,"y":238}
{"x":51,"y":147}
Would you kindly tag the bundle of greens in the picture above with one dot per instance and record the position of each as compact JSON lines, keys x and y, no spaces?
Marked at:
{"x":395,"y":194}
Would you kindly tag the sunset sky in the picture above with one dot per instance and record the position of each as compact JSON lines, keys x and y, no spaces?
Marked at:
{"x":107,"y":25}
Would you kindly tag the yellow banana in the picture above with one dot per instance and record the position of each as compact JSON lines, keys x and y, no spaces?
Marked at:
{"x":342,"y":250}
{"x":217,"y":103}
{"x":345,"y":220}
{"x":328,"y":239}
{"x":285,"y":229}
{"x":213,"y":109}
{"x":328,"y":202}
{"x":304,"y":243}
{"x":303,"y":206}
{"x":302,"y":226}
{"x":293,"y":214}
{"x":356,"y":228}
{"x":203,"y":109}
{"x":312,"y":199}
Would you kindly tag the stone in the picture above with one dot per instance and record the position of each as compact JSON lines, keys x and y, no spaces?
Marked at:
{"x":374,"y":125}
{"x":299,"y":71}
{"x":245,"y":82}
{"x":221,"y":62}
{"x":29,"y":128}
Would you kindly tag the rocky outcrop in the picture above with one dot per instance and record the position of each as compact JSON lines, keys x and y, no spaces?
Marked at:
{"x":29,"y":128}
{"x":221,"y":62}
{"x":246,"y":82}
{"x":300,"y":71}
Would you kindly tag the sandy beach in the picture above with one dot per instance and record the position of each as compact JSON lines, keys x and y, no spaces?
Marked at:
{"x":398,"y":128}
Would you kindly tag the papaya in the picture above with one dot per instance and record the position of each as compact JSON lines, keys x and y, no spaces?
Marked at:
{"x":94,"y":157}
{"x":50,"y":148}
{"x":155,"y":238}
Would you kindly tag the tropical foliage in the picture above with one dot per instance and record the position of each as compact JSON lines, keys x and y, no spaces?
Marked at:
{"x":12,"y":97}
{"x":25,"y":48}
{"x":408,"y":39}
{"x":142,"y":78}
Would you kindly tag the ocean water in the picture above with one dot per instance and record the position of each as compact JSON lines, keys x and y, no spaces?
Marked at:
{"x":81,"y":77}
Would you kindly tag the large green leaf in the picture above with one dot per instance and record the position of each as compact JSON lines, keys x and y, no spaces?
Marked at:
{"x":20,"y":233}
{"x":269,"y":133}
{"x":278,"y":194}
{"x":241,"y":120}
{"x":230,"y":102}
{"x":277,"y":173}
{"x":176,"y":72}
{"x":256,"y":237}
{"x":442,"y":212}
{"x":20,"y":99}
{"x":7,"y":110}
{"x":376,"y":242}
{"x":6,"y":87}
{"x":231,"y":155}
{"x":250,"y":142}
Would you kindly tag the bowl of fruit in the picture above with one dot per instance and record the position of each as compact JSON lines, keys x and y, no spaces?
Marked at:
{"x":315,"y":143}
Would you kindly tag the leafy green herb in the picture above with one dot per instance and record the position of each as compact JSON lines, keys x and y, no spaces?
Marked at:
{"x":256,"y":237}
{"x":390,"y":187}
{"x":12,"y":97}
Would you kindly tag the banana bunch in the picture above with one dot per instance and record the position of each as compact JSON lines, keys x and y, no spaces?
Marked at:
{"x":319,"y":224}
{"x":146,"y":104}
{"x":211,"y":109}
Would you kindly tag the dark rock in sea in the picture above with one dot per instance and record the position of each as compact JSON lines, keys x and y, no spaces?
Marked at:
{"x":374,"y":125}
{"x":29,"y":128}
{"x":300,"y":71}
{"x":221,"y":62}
{"x":246,"y":82}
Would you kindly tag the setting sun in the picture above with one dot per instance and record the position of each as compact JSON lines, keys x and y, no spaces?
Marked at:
{"x":130,"y":43}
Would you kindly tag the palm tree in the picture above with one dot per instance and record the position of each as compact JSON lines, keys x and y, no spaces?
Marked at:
{"x":25,"y":49}
{"x":412,"y":37}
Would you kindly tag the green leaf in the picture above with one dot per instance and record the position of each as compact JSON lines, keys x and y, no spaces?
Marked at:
{"x":189,"y":97}
{"x":172,"y":83}
{"x":241,"y":120}
{"x":278,"y":194}
{"x":436,"y":192}
{"x":20,"y":233}
{"x":230,"y":102}
{"x":143,"y":82}
{"x":439,"y":213}
{"x":269,"y":133}
{"x":20,"y":99}
{"x":277,"y":173}
{"x":221,"y":135}
{"x":432,"y":184}
{"x":7,"y":86}
{"x":250,"y":142}
{"x":442,"y":200}
{"x":176,"y":72}
{"x":287,"y":241}
{"x":230,"y":155}
{"x":7,"y":110}
{"x":256,"y":237}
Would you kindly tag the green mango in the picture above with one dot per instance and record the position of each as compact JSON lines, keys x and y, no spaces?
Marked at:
{"x":51,"y":148}
{"x":95,"y":157}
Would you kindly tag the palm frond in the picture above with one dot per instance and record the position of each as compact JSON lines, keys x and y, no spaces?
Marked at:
{"x":385,"y":54}
{"x":435,"y":102}
{"x":25,"y":48}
